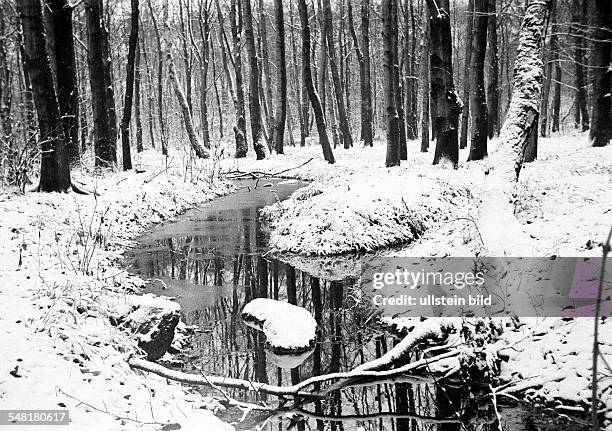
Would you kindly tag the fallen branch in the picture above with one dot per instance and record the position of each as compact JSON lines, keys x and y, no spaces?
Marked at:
{"x":237,"y":174}
{"x":296,"y":390}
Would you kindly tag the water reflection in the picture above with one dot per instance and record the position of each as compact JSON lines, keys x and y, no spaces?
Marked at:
{"x":212,"y":260}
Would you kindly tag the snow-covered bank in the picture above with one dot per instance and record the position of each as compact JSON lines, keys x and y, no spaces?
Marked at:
{"x":59,"y":286}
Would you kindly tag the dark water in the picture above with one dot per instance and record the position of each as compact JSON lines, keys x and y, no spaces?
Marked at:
{"x":212,"y":260}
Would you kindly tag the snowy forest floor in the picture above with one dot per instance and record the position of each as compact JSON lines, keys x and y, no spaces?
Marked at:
{"x":60,"y":274}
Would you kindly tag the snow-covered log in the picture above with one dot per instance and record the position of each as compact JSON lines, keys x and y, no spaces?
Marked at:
{"x":501,"y":231}
{"x":431,"y":331}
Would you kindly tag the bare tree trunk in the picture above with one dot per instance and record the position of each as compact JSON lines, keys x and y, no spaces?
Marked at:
{"x":6,"y":127}
{"x":478,"y":96}
{"x":601,"y":129}
{"x":364,"y":71}
{"x":446,"y":106}
{"x":67,"y":83}
{"x":138,"y":100}
{"x":426,"y":85}
{"x":180,"y":95}
{"x":465,"y":118}
{"x":129,"y":87}
{"x":104,"y":145}
{"x":204,"y":22}
{"x":312,"y":93}
{"x":582,"y":112}
{"x":261,"y":149}
{"x":187,"y":56}
{"x":493,"y":87}
{"x":54,"y":165}
{"x":345,"y":131}
{"x":548,"y":69}
{"x":557,"y":86}
{"x":266,"y":66}
{"x":505,"y":164}
{"x":108,"y":76}
{"x":278,"y":136}
{"x":160,"y":82}
{"x":389,"y":35}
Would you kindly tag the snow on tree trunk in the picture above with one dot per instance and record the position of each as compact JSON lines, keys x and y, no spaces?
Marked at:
{"x":501,"y":231}
{"x":200,"y":151}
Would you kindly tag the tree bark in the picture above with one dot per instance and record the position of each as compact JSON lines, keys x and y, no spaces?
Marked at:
{"x":446,"y":105}
{"x":478,"y":97}
{"x":497,"y":208}
{"x":104,"y":145}
{"x":129,"y":87}
{"x":467,"y":80}
{"x":204,"y":22}
{"x":389,"y":35}
{"x":278,"y":136}
{"x":345,"y":131}
{"x":363,"y":57}
{"x":263,"y":34}
{"x":200,"y":151}
{"x":582,"y":112}
{"x":425,"y":84}
{"x":261,"y":149}
{"x":108,"y":76}
{"x":54,"y":164}
{"x":548,"y":68}
{"x":601,"y":128}
{"x":312,"y":92}
{"x":67,"y":83}
{"x":138,"y":100}
{"x":160,"y":82}
{"x":493,"y":88}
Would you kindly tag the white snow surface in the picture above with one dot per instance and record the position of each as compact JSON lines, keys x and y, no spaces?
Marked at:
{"x":564,"y":205}
{"x":59,"y":282}
{"x":286,"y":326}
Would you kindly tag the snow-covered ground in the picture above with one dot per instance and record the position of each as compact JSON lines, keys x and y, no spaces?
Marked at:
{"x":60,"y":278}
{"x":60,"y":283}
{"x":564,"y":204}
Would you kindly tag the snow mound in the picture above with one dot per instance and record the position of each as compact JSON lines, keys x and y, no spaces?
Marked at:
{"x":288,"y":328}
{"x":353,"y":214}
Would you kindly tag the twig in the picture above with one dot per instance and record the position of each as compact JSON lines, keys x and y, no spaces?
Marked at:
{"x":594,"y":399}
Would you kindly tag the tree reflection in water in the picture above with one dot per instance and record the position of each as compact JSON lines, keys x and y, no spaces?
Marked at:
{"x":213,"y":260}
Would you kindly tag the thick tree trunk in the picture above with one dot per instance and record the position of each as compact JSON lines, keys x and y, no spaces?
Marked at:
{"x":467,"y":81}
{"x":389,"y":35}
{"x":365,"y":87}
{"x":108,"y":76}
{"x":54,"y":165}
{"x":138,"y":100}
{"x":187,"y":118}
{"x":478,"y":97}
{"x":261,"y":149}
{"x":278,"y":136}
{"x":104,"y":145}
{"x":266,"y":66}
{"x":67,"y":83}
{"x":601,"y":128}
{"x":410,"y":64}
{"x":129,"y":87}
{"x":493,"y":87}
{"x":312,"y":93}
{"x":445,"y":104}
{"x":345,"y":131}
{"x":425,"y":84}
{"x":6,"y":126}
{"x":582,"y":112}
{"x":501,"y":232}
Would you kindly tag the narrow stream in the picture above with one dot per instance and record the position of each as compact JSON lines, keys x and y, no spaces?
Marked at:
{"x":212,"y":260}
